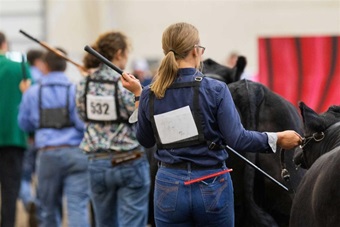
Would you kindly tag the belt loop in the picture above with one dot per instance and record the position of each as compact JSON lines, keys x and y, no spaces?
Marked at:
{"x":189,"y":167}
{"x":212,"y":146}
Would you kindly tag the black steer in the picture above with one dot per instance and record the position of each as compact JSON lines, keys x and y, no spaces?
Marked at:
{"x":317,"y":199}
{"x":259,"y":201}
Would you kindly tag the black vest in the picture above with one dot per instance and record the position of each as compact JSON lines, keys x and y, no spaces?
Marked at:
{"x":57,"y":118}
{"x":193,"y":141}
{"x":102,"y":108}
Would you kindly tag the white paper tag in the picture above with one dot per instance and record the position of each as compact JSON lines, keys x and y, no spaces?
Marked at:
{"x":176,"y":125}
{"x":101,"y":108}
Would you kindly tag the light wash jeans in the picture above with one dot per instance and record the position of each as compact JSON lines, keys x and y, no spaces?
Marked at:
{"x":63,"y":173}
{"x":28,"y":170}
{"x":120,"y":194}
{"x":208,"y":203}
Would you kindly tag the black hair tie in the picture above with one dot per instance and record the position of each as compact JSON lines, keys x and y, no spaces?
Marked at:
{"x":172,"y":52}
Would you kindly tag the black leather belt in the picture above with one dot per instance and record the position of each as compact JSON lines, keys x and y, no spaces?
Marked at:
{"x":190,"y":165}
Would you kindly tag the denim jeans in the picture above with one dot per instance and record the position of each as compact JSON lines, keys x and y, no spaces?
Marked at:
{"x":28,"y":170}
{"x":205,"y":203}
{"x":120,"y":194}
{"x":63,"y":173}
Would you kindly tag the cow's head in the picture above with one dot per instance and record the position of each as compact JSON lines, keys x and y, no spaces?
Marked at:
{"x":223,"y":73}
{"x":315,"y":131}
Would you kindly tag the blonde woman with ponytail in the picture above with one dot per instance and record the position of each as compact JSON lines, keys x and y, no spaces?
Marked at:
{"x":175,"y":49}
{"x":192,"y":118}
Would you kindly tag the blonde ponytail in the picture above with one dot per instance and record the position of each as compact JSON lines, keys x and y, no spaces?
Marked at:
{"x":177,"y":41}
{"x":166,"y":75}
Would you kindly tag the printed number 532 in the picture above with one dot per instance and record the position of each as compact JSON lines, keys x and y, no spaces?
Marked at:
{"x":99,"y":108}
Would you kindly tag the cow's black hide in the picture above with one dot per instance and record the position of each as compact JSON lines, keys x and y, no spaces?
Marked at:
{"x":317,"y":199}
{"x":259,"y":201}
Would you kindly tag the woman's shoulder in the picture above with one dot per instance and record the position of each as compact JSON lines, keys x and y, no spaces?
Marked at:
{"x":213,"y":84}
{"x":104,"y":73}
{"x":146,"y":90}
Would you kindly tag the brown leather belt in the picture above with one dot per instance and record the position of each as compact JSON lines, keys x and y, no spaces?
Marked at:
{"x":118,"y":157}
{"x":48,"y":148}
{"x":190,"y":165}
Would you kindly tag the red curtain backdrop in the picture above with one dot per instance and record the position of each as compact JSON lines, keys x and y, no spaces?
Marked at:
{"x":302,"y":69}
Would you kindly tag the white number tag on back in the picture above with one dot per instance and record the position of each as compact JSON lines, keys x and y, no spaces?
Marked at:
{"x":176,"y":125}
{"x":101,"y":108}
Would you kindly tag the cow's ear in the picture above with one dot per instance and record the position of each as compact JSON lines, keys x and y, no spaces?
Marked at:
{"x":334,"y":109}
{"x":240,"y":66}
{"x":313,"y":122}
{"x":332,"y":115}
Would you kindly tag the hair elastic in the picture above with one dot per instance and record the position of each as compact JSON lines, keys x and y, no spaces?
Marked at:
{"x":171,"y":50}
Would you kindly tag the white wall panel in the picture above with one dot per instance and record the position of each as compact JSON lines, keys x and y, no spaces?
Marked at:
{"x":224,"y":25}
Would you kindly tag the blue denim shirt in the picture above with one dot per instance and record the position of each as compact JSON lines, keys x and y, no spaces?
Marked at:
{"x":52,"y":97}
{"x":221,"y":121}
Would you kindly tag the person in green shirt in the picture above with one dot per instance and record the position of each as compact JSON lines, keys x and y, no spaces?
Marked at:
{"x":14,"y":80}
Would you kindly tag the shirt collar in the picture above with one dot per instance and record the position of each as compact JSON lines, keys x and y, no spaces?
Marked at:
{"x":186,"y":71}
{"x":55,"y":77}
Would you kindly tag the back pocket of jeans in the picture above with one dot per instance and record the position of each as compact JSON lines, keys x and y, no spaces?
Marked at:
{"x":166,"y":195}
{"x":216,"y":195}
{"x":136,"y":175}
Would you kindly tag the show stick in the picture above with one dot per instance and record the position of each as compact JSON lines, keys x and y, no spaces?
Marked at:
{"x":23,"y":66}
{"x":103,"y":59}
{"x":54,"y":50}
{"x":257,"y":168}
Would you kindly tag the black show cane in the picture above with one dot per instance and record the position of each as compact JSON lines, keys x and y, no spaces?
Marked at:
{"x":103,"y":59}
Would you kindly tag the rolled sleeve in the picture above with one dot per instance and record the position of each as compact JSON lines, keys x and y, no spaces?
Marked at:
{"x":272,"y":140}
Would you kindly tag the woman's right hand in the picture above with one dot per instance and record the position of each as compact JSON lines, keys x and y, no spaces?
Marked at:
{"x":131,"y":83}
{"x":288,"y":139}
